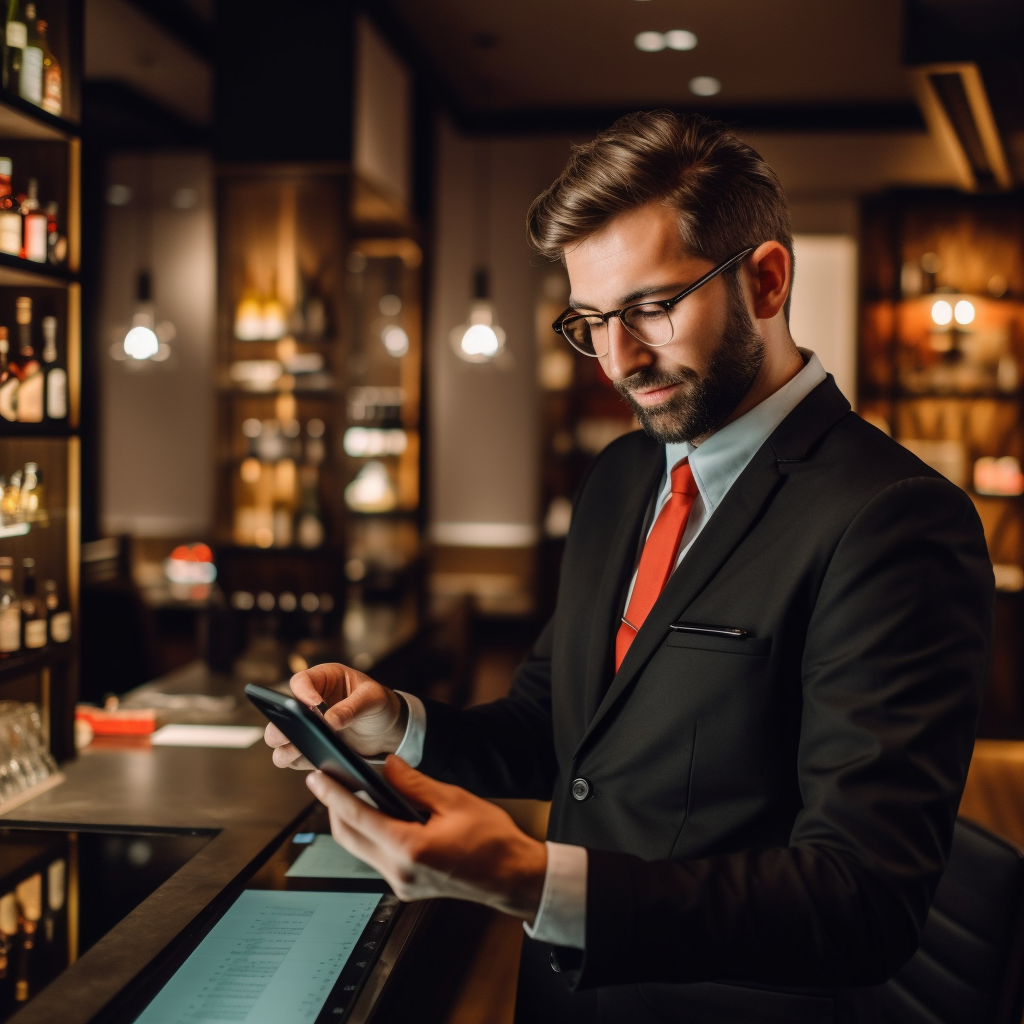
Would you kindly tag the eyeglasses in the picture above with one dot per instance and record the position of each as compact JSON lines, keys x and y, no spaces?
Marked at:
{"x":649,"y":322}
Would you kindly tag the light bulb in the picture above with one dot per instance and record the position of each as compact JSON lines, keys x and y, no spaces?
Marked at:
{"x":141,"y":343}
{"x":705,"y":85}
{"x":649,"y":42}
{"x":942,"y":312}
{"x":396,"y":341}
{"x":481,"y":339}
{"x":680,"y":39}
{"x":963,"y":312}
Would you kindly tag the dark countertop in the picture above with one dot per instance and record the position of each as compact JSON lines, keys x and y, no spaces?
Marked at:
{"x":129,"y":784}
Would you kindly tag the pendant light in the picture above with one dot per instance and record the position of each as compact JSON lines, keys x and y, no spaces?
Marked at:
{"x":480,"y":339}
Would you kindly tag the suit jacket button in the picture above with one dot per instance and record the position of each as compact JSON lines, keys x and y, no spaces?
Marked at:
{"x":580,"y":789}
{"x":555,"y":965}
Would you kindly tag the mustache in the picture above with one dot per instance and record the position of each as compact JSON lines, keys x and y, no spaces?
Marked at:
{"x":647,"y":378}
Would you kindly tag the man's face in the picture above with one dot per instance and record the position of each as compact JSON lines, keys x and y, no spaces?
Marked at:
{"x":689,"y":387}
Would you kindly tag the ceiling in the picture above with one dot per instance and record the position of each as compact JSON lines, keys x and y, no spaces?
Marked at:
{"x":536,"y":56}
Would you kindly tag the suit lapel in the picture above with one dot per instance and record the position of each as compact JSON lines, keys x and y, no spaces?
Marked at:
{"x":640,"y":490}
{"x":739,"y":511}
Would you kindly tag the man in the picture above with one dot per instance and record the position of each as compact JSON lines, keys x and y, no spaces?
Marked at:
{"x":755,"y":704}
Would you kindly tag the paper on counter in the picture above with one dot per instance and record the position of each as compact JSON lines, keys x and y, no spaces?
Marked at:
{"x":324,"y":858}
{"x":237,"y":736}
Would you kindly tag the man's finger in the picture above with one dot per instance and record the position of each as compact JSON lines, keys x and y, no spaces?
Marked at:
{"x":273,"y":737}
{"x":326,"y":682}
{"x":420,"y":788}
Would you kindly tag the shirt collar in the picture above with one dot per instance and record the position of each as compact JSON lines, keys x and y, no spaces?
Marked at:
{"x":718,"y":462}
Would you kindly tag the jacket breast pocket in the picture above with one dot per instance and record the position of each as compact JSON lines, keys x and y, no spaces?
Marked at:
{"x":749,"y":646}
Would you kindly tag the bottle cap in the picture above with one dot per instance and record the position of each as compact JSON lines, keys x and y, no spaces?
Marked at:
{"x":6,"y":562}
{"x":6,"y":166}
{"x":28,"y":563}
{"x":23,"y":309}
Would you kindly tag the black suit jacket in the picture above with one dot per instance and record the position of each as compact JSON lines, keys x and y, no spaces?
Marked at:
{"x":767,"y":817}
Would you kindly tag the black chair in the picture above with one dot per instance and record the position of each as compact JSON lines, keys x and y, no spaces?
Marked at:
{"x":969,"y":968}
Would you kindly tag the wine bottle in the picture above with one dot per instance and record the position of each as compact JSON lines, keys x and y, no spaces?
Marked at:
{"x":27,"y":368}
{"x":16,"y":38}
{"x":33,"y":611}
{"x":30,"y":910}
{"x":10,"y":217}
{"x":35,"y":230}
{"x":53,"y":85}
{"x":56,"y":376}
{"x":8,"y":381}
{"x":30,"y":81}
{"x":10,"y":613}
{"x":60,"y":618}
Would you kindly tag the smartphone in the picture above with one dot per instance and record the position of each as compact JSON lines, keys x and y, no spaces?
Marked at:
{"x":324,"y":748}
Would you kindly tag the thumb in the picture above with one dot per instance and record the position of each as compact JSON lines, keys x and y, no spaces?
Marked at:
{"x":419,"y":788}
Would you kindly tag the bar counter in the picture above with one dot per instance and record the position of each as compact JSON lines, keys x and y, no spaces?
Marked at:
{"x":236,"y":795}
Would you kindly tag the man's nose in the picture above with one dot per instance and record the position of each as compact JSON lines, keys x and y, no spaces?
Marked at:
{"x":625,"y":354}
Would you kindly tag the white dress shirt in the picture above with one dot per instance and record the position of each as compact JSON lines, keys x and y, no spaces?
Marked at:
{"x":716,"y":464}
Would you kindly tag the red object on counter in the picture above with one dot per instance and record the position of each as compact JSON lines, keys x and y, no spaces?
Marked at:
{"x":117,"y":723}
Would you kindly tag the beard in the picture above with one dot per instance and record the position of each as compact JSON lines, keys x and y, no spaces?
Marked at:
{"x":702,"y":403}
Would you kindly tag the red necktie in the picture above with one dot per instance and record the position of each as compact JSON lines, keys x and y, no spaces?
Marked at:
{"x":658,"y":558}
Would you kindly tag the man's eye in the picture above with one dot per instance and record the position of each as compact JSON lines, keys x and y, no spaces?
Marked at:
{"x":647,"y":313}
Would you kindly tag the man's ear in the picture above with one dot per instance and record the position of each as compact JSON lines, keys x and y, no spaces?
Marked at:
{"x":772,"y":272}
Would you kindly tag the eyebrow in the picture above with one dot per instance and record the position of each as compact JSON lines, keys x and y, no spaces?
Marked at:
{"x":634,"y":296}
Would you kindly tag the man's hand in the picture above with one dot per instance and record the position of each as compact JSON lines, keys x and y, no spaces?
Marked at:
{"x":469,"y":849}
{"x":373,"y":717}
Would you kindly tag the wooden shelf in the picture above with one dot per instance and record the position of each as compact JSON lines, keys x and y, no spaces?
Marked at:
{"x":18,"y":273}
{"x":20,"y":119}
{"x":30,"y":430}
{"x":26,"y":662}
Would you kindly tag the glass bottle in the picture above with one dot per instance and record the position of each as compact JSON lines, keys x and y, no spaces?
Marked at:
{"x":10,"y":610}
{"x":16,"y":38}
{"x":56,"y":243}
{"x":60,"y":618}
{"x":53,"y":86}
{"x":27,"y":368}
{"x":56,"y":376}
{"x":33,"y":610}
{"x":35,"y":228}
{"x":10,"y":217}
{"x":8,"y":381}
{"x":30,"y":80}
{"x":31,"y":500}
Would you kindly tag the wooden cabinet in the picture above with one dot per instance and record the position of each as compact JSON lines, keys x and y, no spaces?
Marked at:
{"x":941,"y":367}
{"x":41,"y":534}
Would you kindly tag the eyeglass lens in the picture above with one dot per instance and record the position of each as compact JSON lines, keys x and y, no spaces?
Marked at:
{"x":648,"y":323}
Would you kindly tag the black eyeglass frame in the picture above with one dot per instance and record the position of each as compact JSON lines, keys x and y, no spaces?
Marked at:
{"x":559,"y":325}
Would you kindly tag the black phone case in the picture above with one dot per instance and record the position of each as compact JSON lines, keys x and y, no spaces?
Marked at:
{"x":321,"y":746}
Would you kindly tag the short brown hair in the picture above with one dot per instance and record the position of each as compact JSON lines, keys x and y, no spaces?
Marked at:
{"x":728,"y":198}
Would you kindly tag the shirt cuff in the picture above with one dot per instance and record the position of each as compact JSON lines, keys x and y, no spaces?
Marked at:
{"x":562,"y":916}
{"x":410,"y":750}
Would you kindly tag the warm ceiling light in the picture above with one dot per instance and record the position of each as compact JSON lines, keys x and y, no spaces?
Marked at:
{"x":942,"y":312}
{"x":705,"y":85}
{"x":963,"y":312}
{"x":680,"y":39}
{"x":649,"y":42}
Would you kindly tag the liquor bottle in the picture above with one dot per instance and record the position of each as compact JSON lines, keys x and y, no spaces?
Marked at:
{"x":60,"y":618}
{"x":8,"y":933}
{"x":16,"y":38}
{"x":10,"y":502}
{"x":27,"y":368}
{"x":9,"y":382}
{"x":30,"y":81}
{"x":56,"y":243}
{"x":10,"y":613}
{"x":30,"y":910}
{"x":53,"y":85}
{"x":10,"y":217}
{"x":35,"y":229}
{"x":33,"y":610}
{"x":31,"y":499}
{"x":56,"y":376}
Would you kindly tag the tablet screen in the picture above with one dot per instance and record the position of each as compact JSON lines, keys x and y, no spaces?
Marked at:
{"x":274,"y":956}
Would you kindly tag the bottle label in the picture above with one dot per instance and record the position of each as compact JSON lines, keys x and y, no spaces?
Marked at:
{"x":10,"y":232}
{"x":10,"y":630}
{"x":52,"y":99}
{"x":9,"y":399}
{"x":60,"y":627}
{"x":30,"y":399}
{"x":17,"y":35}
{"x":30,"y":82}
{"x":35,"y":237}
{"x":57,"y":394}
{"x":35,"y":634}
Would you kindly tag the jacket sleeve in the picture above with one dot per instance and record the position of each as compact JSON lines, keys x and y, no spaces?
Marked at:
{"x":502,"y":749}
{"x":894,"y":666}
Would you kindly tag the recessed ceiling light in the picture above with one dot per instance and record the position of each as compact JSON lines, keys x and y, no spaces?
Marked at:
{"x":680,"y":39}
{"x":649,"y":42}
{"x":705,"y":85}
